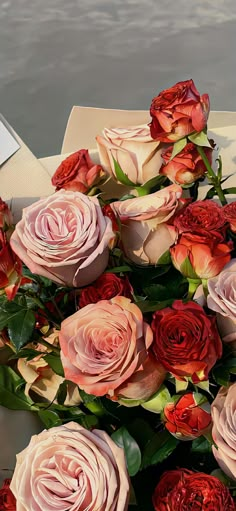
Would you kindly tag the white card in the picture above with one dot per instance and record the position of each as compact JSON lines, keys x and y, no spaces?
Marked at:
{"x":8,"y":143}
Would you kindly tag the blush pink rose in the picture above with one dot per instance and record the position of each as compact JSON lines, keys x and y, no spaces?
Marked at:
{"x":134,"y":149}
{"x":70,"y":468}
{"x":104,"y":350}
{"x":223,"y":411}
{"x":146,"y":232}
{"x":65,"y":238}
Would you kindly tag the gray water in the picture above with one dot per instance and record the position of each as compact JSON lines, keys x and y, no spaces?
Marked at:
{"x":108,"y":53}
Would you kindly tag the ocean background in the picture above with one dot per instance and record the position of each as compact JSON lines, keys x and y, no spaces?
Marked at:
{"x":108,"y":53}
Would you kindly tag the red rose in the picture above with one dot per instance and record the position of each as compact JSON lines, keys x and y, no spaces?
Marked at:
{"x":10,"y":269}
{"x":229,"y":212}
{"x":186,"y":340}
{"x":186,"y":417}
{"x":200,"y":256}
{"x":105,"y":287}
{"x":6,"y":218}
{"x":199,"y":216}
{"x":7,"y":499}
{"x":182,"y":490}
{"x":77,"y":173}
{"x":178,"y":111}
{"x":186,"y":167}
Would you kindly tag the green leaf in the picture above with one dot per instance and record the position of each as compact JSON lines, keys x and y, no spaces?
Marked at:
{"x":178,"y":147}
{"x":159,"y":448}
{"x":221,"y":375}
{"x":119,"y":269}
{"x":200,"y":139}
{"x":165,"y":258}
{"x":12,"y":394}
{"x":132,"y":451}
{"x":121,"y":177}
{"x":20,"y":327}
{"x":154,"y":182}
{"x":211,"y":193}
{"x":201,"y":444}
{"x":152,"y":306}
{"x":62,"y":393}
{"x":87,"y":398}
{"x":228,"y":191}
{"x":158,"y":401}
{"x":49,"y":418}
{"x":54,"y":361}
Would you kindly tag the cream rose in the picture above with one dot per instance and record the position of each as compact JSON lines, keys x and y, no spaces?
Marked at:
{"x":104,"y":350}
{"x":145,"y":233}
{"x":70,"y":468}
{"x":134,"y":149}
{"x":65,"y":238}
{"x":223,"y":411}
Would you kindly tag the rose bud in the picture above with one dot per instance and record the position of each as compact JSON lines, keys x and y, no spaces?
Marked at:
{"x":185,"y":168}
{"x":104,"y":350}
{"x":188,"y":416}
{"x":10,"y":269}
{"x":133,"y":149}
{"x":223,"y":410}
{"x":186,"y":341}
{"x":6,"y":218}
{"x":105,"y":287}
{"x":178,"y":111}
{"x":70,"y":468}
{"x":182,"y":490}
{"x":64,"y":237}
{"x":145,"y":231}
{"x":203,"y":217}
{"x":229,"y":212}
{"x":7,"y":499}
{"x":78,"y":173}
{"x":200,"y":256}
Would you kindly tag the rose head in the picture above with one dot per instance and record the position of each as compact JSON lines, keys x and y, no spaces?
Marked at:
{"x":10,"y":269}
{"x":185,"y":168}
{"x":105,"y":344}
{"x":105,"y":287}
{"x":134,"y":150}
{"x":7,"y":499}
{"x":184,"y":490}
{"x":229,"y":212}
{"x":65,"y":238}
{"x":70,"y":468}
{"x":222,"y":288}
{"x":188,"y":416}
{"x":201,"y":216}
{"x":145,"y":230}
{"x":78,"y":173}
{"x":178,"y":111}
{"x":223,"y":410}
{"x":186,"y":340}
{"x":200,"y":256}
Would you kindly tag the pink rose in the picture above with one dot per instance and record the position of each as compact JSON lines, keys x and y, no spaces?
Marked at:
{"x":134,"y":149}
{"x":145,"y":233}
{"x":65,"y":238}
{"x":70,"y":468}
{"x":223,"y":411}
{"x":104,"y":350}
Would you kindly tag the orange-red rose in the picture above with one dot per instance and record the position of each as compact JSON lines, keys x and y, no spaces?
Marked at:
{"x":188,"y":416}
{"x":200,"y":256}
{"x":201,"y":216}
{"x":77,"y":173}
{"x":178,"y":111}
{"x":186,"y":340}
{"x":105,"y":287}
{"x":229,"y":212}
{"x":7,"y":499}
{"x":184,"y":490}
{"x":186,"y":167}
{"x":10,"y":269}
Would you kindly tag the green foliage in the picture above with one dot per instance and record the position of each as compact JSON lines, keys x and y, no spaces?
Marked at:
{"x":12,"y":393}
{"x":132,"y":451}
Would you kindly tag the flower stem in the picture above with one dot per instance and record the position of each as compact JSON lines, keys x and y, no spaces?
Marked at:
{"x":214,"y":179}
{"x":193,"y":284}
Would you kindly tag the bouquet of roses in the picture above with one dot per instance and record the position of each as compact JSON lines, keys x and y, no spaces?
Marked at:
{"x":118,"y":323}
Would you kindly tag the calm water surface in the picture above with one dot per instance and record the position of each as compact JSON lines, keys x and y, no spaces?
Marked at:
{"x":112,"y":53}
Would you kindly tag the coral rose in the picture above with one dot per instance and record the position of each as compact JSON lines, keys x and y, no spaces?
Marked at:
{"x":186,"y":340}
{"x":103,"y":345}
{"x":178,"y":111}
{"x":182,"y":490}
{"x":223,"y":410}
{"x":145,"y":230}
{"x":65,"y":238}
{"x":70,"y":468}
{"x":135,"y":151}
{"x":188,"y":416}
{"x":200,"y":256}
{"x":186,"y":167}
{"x":229,"y":212}
{"x":78,"y":173}
{"x":201,"y":216}
{"x":105,"y":287}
